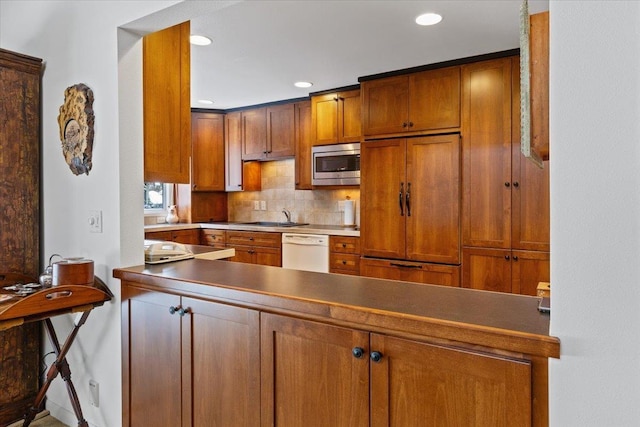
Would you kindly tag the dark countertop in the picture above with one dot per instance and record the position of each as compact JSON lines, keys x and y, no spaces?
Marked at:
{"x":334,"y":230}
{"x":496,"y":320}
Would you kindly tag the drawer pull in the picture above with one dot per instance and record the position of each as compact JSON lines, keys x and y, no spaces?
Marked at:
{"x":376,"y":356}
{"x":396,"y":264}
{"x":357,"y":352}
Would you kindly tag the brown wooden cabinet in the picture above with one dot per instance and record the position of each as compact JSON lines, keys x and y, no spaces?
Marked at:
{"x":336,"y":117}
{"x":506,"y":201}
{"x":20,"y":94}
{"x":166,"y":104}
{"x":215,"y":238}
{"x":500,"y":270}
{"x":408,"y":271}
{"x":344,"y":255}
{"x":418,"y":102}
{"x":207,"y":146}
{"x":188,"y":362}
{"x":262,"y":248}
{"x":189,"y":236}
{"x":415,"y":195}
{"x":268,"y":132}
{"x":303,"y":138}
{"x":381,"y":380}
{"x":239,"y":175}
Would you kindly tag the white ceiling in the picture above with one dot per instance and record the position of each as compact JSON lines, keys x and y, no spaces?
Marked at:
{"x":260,"y":48}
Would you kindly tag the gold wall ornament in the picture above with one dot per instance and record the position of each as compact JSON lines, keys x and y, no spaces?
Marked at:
{"x":76,"y":121}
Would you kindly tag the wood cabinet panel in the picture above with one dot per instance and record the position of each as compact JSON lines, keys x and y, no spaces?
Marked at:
{"x":344,"y":244}
{"x":215,"y":238}
{"x":385,"y":105}
{"x":529,"y":268}
{"x":254,"y":133}
{"x":166,"y":105}
{"x":486,"y":130}
{"x":309,"y":375}
{"x":189,"y":237}
{"x":239,"y":175}
{"x":341,"y":262}
{"x":207,"y":146}
{"x":256,"y":247}
{"x":433,"y":274}
{"x":448,"y":386}
{"x":280,"y":131}
{"x":336,"y":117}
{"x":303,"y":137}
{"x":539,"y":63}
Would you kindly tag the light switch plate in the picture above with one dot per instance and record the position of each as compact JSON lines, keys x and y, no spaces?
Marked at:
{"x":256,"y":205}
{"x":94,"y":388}
{"x":95,"y":221}
{"x":263,"y":205}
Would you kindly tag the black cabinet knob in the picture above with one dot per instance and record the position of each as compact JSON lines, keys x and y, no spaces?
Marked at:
{"x":404,"y":125}
{"x":516,"y":184}
{"x":506,"y":257}
{"x":515,"y":257}
{"x":507,"y":184}
{"x":344,"y":245}
{"x":376,"y":356}
{"x":357,"y":352}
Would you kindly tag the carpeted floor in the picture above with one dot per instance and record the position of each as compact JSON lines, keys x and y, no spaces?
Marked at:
{"x":43,"y":419}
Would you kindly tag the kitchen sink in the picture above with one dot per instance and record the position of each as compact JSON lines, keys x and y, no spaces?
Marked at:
{"x":276,"y":224}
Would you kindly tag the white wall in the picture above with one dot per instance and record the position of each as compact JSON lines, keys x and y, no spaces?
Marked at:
{"x":595,"y":212}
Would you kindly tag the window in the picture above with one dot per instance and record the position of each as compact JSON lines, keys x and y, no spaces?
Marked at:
{"x":156,"y":197}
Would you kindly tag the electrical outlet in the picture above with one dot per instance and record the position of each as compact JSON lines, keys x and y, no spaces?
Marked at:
{"x":263,"y":205}
{"x":95,"y":221}
{"x":94,"y":389}
{"x":160,"y":220}
{"x":256,"y":205}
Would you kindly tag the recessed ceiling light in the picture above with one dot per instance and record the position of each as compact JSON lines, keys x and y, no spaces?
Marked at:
{"x":199,"y":40}
{"x":205,"y":101}
{"x":428,"y":19}
{"x":303,"y":84}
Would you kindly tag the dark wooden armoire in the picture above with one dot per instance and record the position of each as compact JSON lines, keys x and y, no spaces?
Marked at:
{"x":20,"y":81}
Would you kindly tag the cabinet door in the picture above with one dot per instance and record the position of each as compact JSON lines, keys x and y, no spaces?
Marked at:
{"x":385,"y":106}
{"x":223,"y":382}
{"x":432,"y":199}
{"x":243,"y":254}
{"x":431,"y":274}
{"x":303,"y":145}
{"x":487,"y":269}
{"x":418,"y":384}
{"x":267,"y":256}
{"x":153,"y":348}
{"x":382,"y":190}
{"x":324,"y":119}
{"x":486,"y":152}
{"x":310,"y":376}
{"x":528,"y":268}
{"x":349,"y":116}
{"x":254,"y":134}
{"x":434,"y":99}
{"x":207,"y":146}
{"x":166,"y":101}
{"x":233,"y":151}
{"x":280,"y":131}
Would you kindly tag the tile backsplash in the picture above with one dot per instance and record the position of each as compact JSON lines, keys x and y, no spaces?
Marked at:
{"x":278,"y":192}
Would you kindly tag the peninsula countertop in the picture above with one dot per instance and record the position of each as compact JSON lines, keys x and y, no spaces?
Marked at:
{"x":496,"y":320}
{"x":334,"y":230}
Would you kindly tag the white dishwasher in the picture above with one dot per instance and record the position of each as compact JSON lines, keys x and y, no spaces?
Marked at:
{"x":305,"y":252}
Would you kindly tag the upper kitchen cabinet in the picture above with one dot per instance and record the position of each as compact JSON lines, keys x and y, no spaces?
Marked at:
{"x":207,"y":145}
{"x":239,"y":175}
{"x":336,"y":117}
{"x":166,"y":103}
{"x":427,"y":101}
{"x":268,"y":132}
{"x":303,"y":145}
{"x":412,"y":186}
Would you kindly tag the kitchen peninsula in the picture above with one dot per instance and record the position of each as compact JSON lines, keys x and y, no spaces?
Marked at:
{"x":252,"y":344}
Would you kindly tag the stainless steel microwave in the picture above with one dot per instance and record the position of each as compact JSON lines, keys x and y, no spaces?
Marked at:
{"x":337,"y":164}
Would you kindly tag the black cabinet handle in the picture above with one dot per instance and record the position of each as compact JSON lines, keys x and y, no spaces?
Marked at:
{"x":404,"y":125}
{"x":376,"y":356}
{"x":344,"y":245}
{"x":357,"y":352}
{"x":397,"y":264}
{"x":515,"y":257}
{"x":407,"y":199}
{"x":400,"y":197}
{"x":506,"y":257}
{"x":410,"y":124}
{"x":516,"y":184}
{"x":507,"y":184}
{"x":344,"y":262}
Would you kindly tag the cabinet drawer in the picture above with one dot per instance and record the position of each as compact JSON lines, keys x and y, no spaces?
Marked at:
{"x":346,"y":245}
{"x":350,"y":262}
{"x":215,"y":238}
{"x":271,"y":240}
{"x":157,"y":235}
{"x":420,"y":272}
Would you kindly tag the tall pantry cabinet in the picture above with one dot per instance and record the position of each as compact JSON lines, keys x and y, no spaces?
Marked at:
{"x":20,"y":78}
{"x":505,"y":209}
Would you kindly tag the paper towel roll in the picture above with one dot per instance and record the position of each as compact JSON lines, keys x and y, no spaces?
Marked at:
{"x":349,"y":212}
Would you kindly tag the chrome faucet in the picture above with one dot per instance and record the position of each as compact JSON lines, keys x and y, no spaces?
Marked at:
{"x":287,"y":214}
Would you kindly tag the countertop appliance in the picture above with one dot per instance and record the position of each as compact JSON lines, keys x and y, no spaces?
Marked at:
{"x":337,"y":164}
{"x":308,"y":252}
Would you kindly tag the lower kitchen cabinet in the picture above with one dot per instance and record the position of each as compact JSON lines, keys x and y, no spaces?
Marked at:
{"x":188,"y":237}
{"x":215,"y":238}
{"x":344,"y":255}
{"x":323,"y":375}
{"x":517,"y":272}
{"x":262,"y":248}
{"x":408,"y":271}
{"x":188,"y":362}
